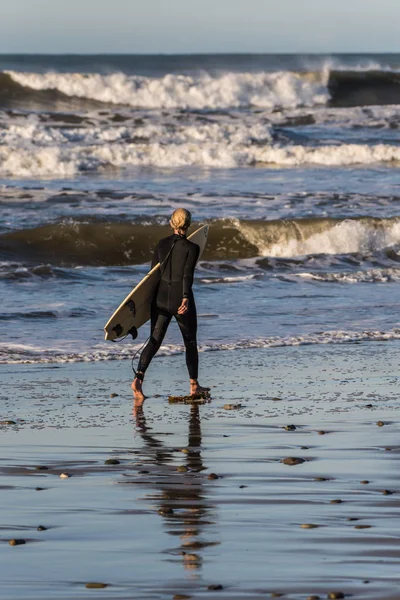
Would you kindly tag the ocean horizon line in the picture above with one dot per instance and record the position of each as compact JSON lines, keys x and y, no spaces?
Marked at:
{"x":221,"y":54}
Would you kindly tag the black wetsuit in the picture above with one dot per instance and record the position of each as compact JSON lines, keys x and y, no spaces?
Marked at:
{"x":178,"y":257}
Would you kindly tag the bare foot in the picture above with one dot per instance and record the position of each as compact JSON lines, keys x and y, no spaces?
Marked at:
{"x":137,"y":390}
{"x":197,"y":389}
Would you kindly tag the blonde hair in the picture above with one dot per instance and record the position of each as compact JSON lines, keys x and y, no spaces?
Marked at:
{"x":181,"y":219}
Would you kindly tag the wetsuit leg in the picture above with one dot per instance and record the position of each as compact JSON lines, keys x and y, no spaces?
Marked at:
{"x":160,"y":320}
{"x":188,"y":326}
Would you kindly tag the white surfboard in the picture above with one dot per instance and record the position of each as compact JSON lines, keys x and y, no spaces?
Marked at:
{"x":134,"y":311}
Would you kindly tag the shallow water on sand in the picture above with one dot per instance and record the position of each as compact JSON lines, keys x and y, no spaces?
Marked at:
{"x":156,"y":525}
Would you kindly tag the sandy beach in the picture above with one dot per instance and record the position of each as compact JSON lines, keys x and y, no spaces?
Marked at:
{"x":200,"y":503}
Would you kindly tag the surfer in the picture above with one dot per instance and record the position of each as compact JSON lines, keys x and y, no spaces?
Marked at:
{"x":173,"y":298}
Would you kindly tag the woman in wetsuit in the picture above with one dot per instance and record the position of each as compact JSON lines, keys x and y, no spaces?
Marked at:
{"x":173,"y":298}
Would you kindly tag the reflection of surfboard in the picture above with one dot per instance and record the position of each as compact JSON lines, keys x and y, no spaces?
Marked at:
{"x":194,"y":399}
{"x":135,"y":309}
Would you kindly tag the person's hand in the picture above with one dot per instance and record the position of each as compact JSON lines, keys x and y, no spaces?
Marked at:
{"x":184,"y":306}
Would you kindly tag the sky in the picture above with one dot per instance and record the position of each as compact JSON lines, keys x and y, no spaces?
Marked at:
{"x":195,"y":26}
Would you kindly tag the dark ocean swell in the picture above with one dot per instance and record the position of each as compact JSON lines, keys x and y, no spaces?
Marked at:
{"x":363,"y":88}
{"x":112,"y":243}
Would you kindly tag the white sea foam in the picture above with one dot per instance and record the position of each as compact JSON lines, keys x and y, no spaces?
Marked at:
{"x":376,"y":117}
{"x":264,"y":90}
{"x":343,"y":155}
{"x":237,"y":133}
{"x":28,"y":354}
{"x":68,"y":160}
{"x":367,"y":276}
{"x":31,"y":148}
{"x":232,"y":279}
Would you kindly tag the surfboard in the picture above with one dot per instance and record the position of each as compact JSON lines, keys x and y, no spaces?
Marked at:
{"x":134,"y":311}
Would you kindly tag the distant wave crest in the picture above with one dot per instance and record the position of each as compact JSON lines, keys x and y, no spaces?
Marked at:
{"x":229,"y":90}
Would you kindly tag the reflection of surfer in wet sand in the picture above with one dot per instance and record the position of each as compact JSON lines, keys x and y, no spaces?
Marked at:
{"x":182,"y":495}
{"x":173,"y":298}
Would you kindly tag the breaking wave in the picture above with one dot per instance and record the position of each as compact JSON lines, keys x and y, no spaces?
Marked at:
{"x":114,"y":243}
{"x":230,"y":90}
{"x":266,"y":90}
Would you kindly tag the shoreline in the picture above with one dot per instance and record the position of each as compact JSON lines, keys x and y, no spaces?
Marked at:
{"x":159,"y":512}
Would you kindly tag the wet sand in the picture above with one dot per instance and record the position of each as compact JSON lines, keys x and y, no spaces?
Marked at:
{"x":198,"y":497}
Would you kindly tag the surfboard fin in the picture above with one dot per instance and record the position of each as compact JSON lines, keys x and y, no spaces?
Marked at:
{"x":134,"y":332}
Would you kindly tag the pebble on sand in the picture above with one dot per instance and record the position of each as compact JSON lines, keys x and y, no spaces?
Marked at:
{"x":165,"y":511}
{"x":387,"y":492}
{"x":321,"y":432}
{"x":362,"y":526}
{"x":364,"y":481}
{"x":16,"y":542}
{"x":309,"y":526}
{"x":336,"y":501}
{"x":290,"y":427}
{"x":335,"y":595}
{"x":181,"y":597}
{"x":7,"y":423}
{"x":42,"y":528}
{"x":321,"y":479}
{"x":313,"y":597}
{"x":94,"y":585}
{"x":65,"y":475}
{"x":182,"y":469}
{"x":380,"y":423}
{"x":232,"y":406}
{"x":111,"y":461}
{"x":212,"y":476}
{"x":292,"y":460}
{"x":41,"y":468}
{"x":113,"y":395}
{"x":215,"y":586}
{"x":276,"y":399}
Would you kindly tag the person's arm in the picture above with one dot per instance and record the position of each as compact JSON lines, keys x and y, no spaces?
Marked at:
{"x":188,"y":275}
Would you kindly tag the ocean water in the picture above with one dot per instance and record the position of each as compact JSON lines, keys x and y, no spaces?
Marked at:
{"x":293,"y":160}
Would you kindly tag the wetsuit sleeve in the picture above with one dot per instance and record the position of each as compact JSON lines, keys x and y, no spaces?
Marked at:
{"x":188,"y":273}
{"x":156,"y":258}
